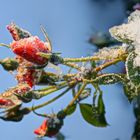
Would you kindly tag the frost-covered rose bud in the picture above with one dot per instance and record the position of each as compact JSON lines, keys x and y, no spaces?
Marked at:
{"x":28,"y":48}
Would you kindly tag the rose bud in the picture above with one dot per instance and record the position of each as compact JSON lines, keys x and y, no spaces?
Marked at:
{"x":49,"y":127}
{"x":9,"y":64}
{"x":15,"y":114}
{"x":28,"y":48}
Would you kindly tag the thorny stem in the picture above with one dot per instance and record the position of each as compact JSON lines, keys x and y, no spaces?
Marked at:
{"x":101,"y":67}
{"x":82,"y":59}
{"x":72,"y":65}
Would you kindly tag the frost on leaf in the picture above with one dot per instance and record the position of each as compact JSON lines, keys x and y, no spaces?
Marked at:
{"x":129,"y":32}
{"x":133,"y":68}
{"x":106,"y":79}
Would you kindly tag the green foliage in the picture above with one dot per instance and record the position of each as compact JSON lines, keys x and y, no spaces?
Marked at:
{"x":78,"y":80}
{"x":94,"y":115}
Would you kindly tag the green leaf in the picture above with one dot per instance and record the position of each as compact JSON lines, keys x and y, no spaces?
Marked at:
{"x":71,"y":109}
{"x":133,"y":71}
{"x":94,"y":115}
{"x":106,"y":79}
{"x":101,"y":106}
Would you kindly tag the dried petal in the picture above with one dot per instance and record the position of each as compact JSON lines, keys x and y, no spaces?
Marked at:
{"x":41,"y":131}
{"x":26,"y":75}
{"x":9,"y":99}
{"x":17,"y":32}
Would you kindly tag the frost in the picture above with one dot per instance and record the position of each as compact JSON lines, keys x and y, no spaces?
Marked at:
{"x":111,"y":78}
{"x":137,"y":61}
{"x":134,"y":16}
{"x":110,"y":53}
{"x":137,"y":58}
{"x":129,"y":32}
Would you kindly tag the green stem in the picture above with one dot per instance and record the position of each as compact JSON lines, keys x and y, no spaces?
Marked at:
{"x":50,"y":101}
{"x":82,"y":59}
{"x":101,"y":67}
{"x":76,"y":96}
{"x":47,"y":91}
{"x":52,"y":87}
{"x":5,"y":45}
{"x":72,"y":65}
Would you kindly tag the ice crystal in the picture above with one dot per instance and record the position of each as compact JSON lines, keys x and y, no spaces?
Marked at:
{"x":129,"y":32}
{"x":110,"y":53}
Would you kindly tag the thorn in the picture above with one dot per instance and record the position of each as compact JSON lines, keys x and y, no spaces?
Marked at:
{"x":46,"y":36}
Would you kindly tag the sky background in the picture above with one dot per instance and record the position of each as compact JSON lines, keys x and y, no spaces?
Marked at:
{"x":69,"y":23}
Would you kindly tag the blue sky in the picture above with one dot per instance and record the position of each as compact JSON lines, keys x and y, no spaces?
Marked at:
{"x":69,"y":25}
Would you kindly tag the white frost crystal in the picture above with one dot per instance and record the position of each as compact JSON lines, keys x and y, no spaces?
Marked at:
{"x":129,"y":32}
{"x":137,"y":61}
{"x":110,"y":53}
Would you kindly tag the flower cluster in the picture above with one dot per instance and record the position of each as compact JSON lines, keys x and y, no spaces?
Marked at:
{"x":33,"y":55}
{"x":27,"y":47}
